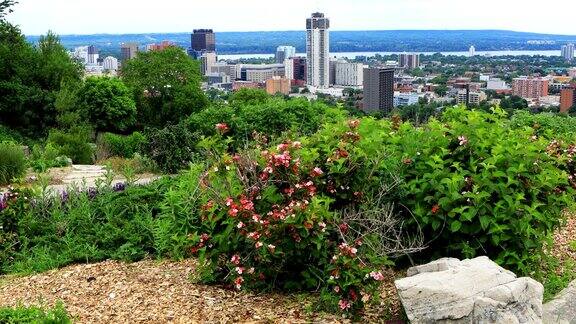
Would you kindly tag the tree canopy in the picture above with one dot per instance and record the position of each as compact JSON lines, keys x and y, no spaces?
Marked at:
{"x":166,"y":86}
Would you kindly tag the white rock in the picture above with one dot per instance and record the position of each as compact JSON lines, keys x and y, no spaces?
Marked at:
{"x":470,"y":291}
{"x":562,"y":310}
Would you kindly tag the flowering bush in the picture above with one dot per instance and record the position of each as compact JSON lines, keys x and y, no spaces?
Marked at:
{"x":269,"y":219}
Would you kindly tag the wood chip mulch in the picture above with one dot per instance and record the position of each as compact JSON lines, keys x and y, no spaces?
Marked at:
{"x":162,"y":292}
{"x":564,"y":247}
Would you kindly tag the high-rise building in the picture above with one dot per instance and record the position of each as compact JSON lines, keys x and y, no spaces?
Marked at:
{"x":208,"y":60}
{"x":289,"y":68}
{"x":349,"y":74}
{"x":568,"y":52}
{"x":409,"y":61}
{"x":300,"y":71}
{"x":260,"y":72}
{"x":203,"y":40}
{"x":129,"y":51}
{"x":285,"y":52}
{"x":529,"y":87}
{"x":472,"y":51}
{"x":567,"y":99}
{"x":332,"y":73}
{"x":278,"y":85}
{"x":318,"y":50}
{"x":110,"y":63}
{"x":378,"y":89}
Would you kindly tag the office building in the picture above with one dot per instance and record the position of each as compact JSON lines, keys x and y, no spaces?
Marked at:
{"x":278,"y":85}
{"x":93,"y":55}
{"x":349,"y":74}
{"x":289,"y":69}
{"x":405,"y":99}
{"x":208,"y":60}
{"x":300,"y":71}
{"x":285,"y":52}
{"x":496,"y":84}
{"x":226,"y":68}
{"x":129,"y":51}
{"x":530,"y":87}
{"x":203,"y":40}
{"x":110,"y":63}
{"x":467,"y":97}
{"x":318,"y":50}
{"x":218,"y":78}
{"x":160,"y":46}
{"x":259,"y":73}
{"x":378,"y":89}
{"x":567,"y":99}
{"x":472,"y":51}
{"x":409,"y":61}
{"x":568,"y":52}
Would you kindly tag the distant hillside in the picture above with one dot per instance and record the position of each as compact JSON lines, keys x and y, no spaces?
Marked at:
{"x":342,"y":41}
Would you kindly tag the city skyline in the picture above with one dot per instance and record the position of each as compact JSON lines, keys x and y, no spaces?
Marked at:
{"x":68,"y":17}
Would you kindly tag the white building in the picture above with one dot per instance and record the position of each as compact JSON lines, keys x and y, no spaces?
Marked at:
{"x":285,"y":52}
{"x":81,"y":53}
{"x":318,"y":50}
{"x":349,"y":74}
{"x":473,"y":98}
{"x":110,"y":63}
{"x":568,"y":52}
{"x":405,"y":99}
{"x":259,"y":72}
{"x":208,"y":60}
{"x":496,"y":84}
{"x":226,"y":68}
{"x":289,"y":68}
{"x":472,"y":51}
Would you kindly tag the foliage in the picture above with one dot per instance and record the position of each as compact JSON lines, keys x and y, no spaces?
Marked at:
{"x":248,"y":97}
{"x":555,"y":274}
{"x":30,"y":78}
{"x":46,"y":157}
{"x":73,"y":143}
{"x":12,"y":162}
{"x":107,"y":104}
{"x":166,"y":86}
{"x":35,"y":315}
{"x":7,"y":134}
{"x":78,"y":226}
{"x":5,"y":7}
{"x":171,"y":148}
{"x":138,"y":164}
{"x":547,"y":125}
{"x":124,"y":146}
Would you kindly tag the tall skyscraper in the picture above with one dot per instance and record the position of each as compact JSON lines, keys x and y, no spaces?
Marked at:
{"x":129,"y":51}
{"x":203,"y":40}
{"x":472,"y":51}
{"x":568,"y":52}
{"x":409,"y":61}
{"x":378,"y":89}
{"x":285,"y":52}
{"x":318,"y":50}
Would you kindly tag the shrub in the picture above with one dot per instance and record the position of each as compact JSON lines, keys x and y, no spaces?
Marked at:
{"x":74,"y":143}
{"x":33,"y":314}
{"x":124,"y":146}
{"x":12,"y":162}
{"x":44,"y":158}
{"x":171,"y":148}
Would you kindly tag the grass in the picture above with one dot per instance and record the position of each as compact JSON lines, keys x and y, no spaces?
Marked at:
{"x":34,"y":314}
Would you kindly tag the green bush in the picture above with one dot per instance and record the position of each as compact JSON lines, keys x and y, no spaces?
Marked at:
{"x":74,"y":143}
{"x":12,"y":162}
{"x":44,"y":158}
{"x":9,"y":135}
{"x":171,"y":148}
{"x":36,"y":315}
{"x":549,"y":125}
{"x":124,"y":146}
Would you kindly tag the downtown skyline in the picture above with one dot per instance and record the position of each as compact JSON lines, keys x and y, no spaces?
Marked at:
{"x":67,"y":17}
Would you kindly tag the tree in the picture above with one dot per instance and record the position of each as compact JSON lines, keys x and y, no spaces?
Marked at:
{"x":441,"y":90}
{"x":165,"y":85}
{"x":107,"y":104}
{"x":30,"y":78}
{"x":6,"y":7}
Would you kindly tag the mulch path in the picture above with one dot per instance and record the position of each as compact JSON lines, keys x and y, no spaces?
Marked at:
{"x":565,"y":240}
{"x":161,"y":292}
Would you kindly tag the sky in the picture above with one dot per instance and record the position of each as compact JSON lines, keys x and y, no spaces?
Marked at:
{"x":159,"y":16}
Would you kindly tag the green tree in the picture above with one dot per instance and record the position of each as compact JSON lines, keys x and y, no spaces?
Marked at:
{"x":248,"y":96}
{"x":166,"y":86}
{"x":107,"y":104}
{"x":5,"y":7}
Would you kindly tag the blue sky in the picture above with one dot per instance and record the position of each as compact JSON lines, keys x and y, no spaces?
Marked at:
{"x":146,"y":16}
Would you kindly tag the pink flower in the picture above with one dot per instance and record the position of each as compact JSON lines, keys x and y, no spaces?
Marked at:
{"x":317,"y":172}
{"x":256,"y":218}
{"x":463,"y":140}
{"x":229,"y":202}
{"x":354,"y":123}
{"x":251,"y":270}
{"x":258,"y":244}
{"x":254,"y":235}
{"x":235,"y":259}
{"x":233,"y":212}
{"x":282,"y":147}
{"x":222,"y":128}
{"x":238,"y":282}
{"x":271,"y":247}
{"x":240,"y":225}
{"x":378,"y":276}
{"x":336,"y":289}
{"x":344,"y":304}
{"x":365,"y":297}
{"x":240,"y":270}
{"x":297,"y":145}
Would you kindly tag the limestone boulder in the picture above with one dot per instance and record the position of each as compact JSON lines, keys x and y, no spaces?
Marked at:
{"x":562,"y":310}
{"x":469,"y":291}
